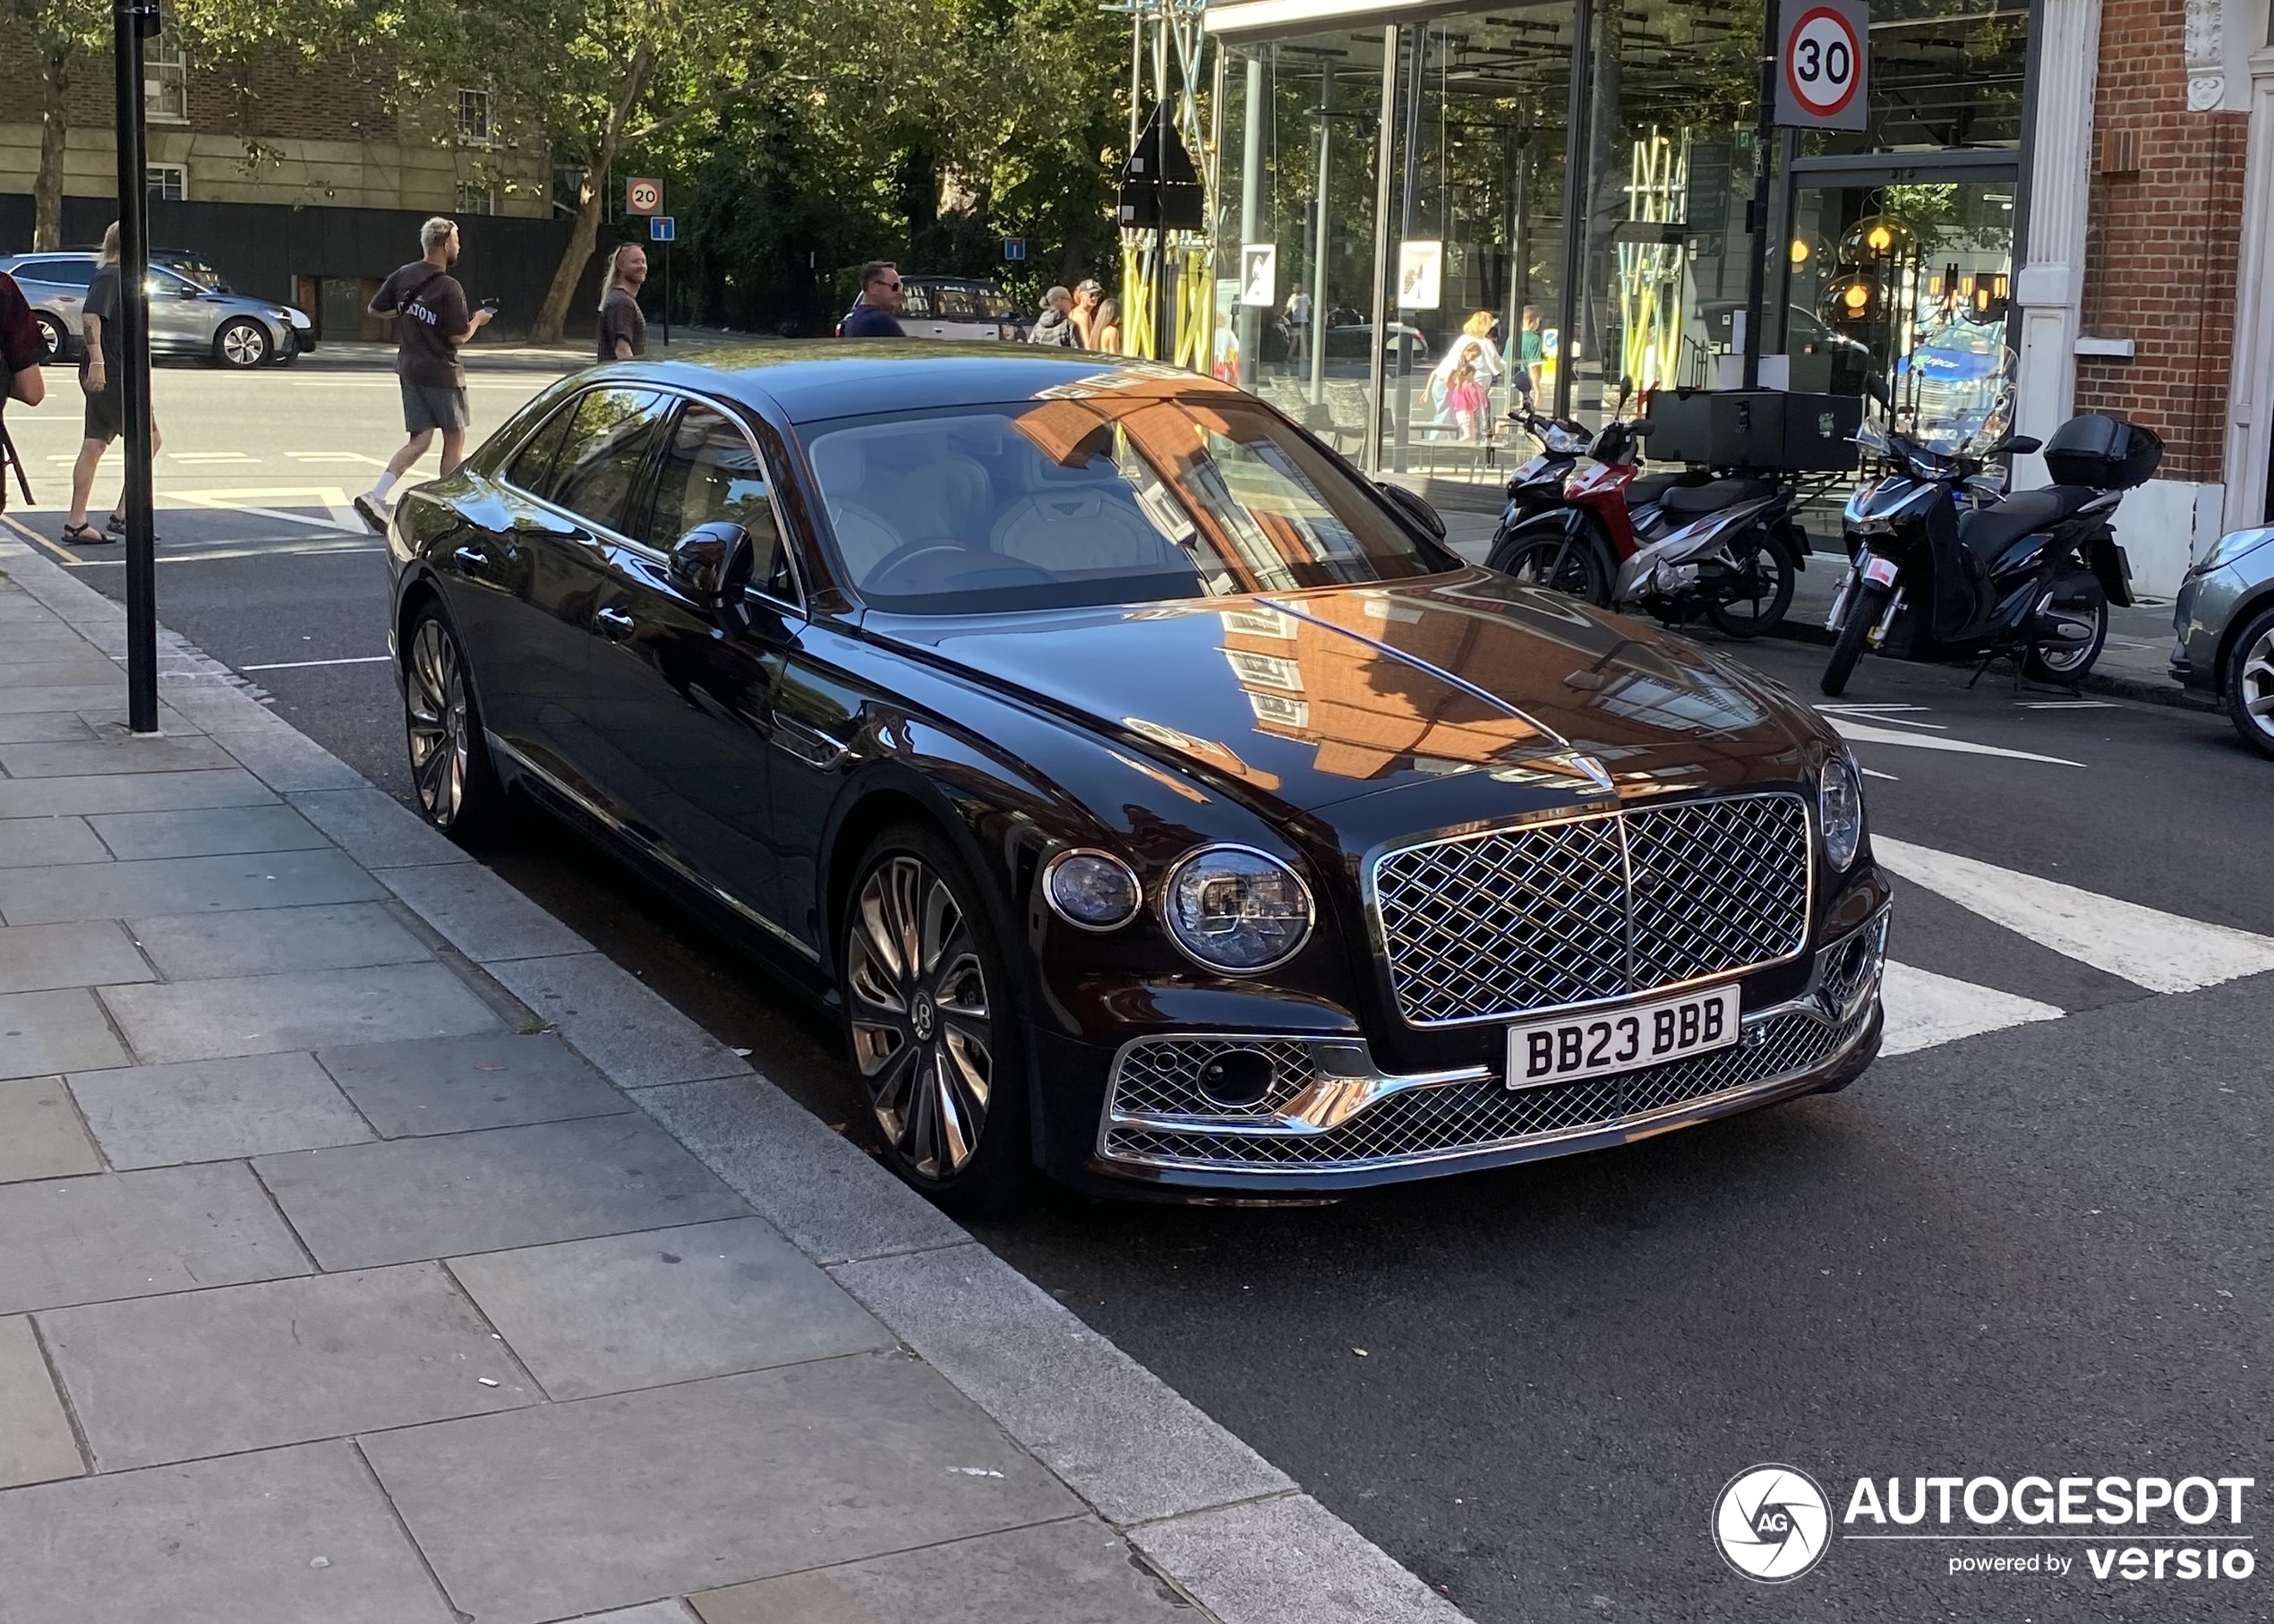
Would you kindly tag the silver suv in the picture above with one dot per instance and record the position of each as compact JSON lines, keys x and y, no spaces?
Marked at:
{"x":2224,"y":628}
{"x":193,"y":310}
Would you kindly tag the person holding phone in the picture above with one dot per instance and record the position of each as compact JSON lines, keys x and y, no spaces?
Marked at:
{"x":431,"y":325}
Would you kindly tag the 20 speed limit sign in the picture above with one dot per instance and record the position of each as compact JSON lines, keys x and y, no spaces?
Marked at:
{"x":1823,"y":62}
{"x":642,"y":196}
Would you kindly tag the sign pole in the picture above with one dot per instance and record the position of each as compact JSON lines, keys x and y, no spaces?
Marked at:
{"x":132,"y":20}
{"x":1756,"y":212}
{"x":667,"y":292}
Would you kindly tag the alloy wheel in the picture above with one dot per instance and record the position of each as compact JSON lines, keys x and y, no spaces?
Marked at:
{"x":435,"y":715}
{"x":52,"y":334}
{"x":243,"y":345}
{"x":922,"y":1029}
{"x":2254,"y":683}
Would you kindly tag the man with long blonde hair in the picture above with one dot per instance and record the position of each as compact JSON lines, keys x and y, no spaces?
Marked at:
{"x":623,"y":329}
{"x":102,"y":375}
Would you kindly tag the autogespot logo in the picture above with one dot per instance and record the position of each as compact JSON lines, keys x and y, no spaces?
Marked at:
{"x":1771,"y":1523}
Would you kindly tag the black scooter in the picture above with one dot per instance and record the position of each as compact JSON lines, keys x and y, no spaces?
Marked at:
{"x":2028,"y":577}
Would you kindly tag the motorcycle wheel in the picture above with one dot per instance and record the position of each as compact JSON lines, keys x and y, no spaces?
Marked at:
{"x":1864,"y":611}
{"x":2065,"y":664}
{"x":1561,"y":563}
{"x":1761,"y":562}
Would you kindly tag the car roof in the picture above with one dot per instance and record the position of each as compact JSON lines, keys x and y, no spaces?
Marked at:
{"x":815,"y":379}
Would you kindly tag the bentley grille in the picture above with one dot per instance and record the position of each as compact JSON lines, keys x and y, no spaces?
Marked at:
{"x":1611,"y":905}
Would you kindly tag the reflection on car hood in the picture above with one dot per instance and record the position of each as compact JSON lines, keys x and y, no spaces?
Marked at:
{"x":1312,"y":698}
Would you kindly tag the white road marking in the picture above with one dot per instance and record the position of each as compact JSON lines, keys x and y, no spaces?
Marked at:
{"x":1882,"y":713}
{"x":1875,"y":773}
{"x":2159,"y":951}
{"x":295,"y":665}
{"x":1925,"y":1009}
{"x":357,"y":458}
{"x":211,"y":456}
{"x":331,"y":497}
{"x":1860,"y":733}
{"x":2065,"y":704}
{"x":211,"y":554}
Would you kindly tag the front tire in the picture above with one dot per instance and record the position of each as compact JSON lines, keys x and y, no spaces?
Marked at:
{"x":241,"y":343}
{"x":1555,"y":559}
{"x":2249,"y":684}
{"x":455,"y":782}
{"x":1864,"y":611}
{"x":932,"y":1024}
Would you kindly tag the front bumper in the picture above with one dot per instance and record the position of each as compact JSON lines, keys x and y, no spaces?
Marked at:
{"x":1332,"y":1120}
{"x":2199,"y":619}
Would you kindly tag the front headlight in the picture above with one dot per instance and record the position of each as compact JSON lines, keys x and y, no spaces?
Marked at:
{"x":298,"y":318}
{"x":1236,"y":910}
{"x":2229,"y":547}
{"x":1093,"y":890}
{"x":1840,"y":806}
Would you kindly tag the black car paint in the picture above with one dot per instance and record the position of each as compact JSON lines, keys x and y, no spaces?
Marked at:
{"x":749,"y":756}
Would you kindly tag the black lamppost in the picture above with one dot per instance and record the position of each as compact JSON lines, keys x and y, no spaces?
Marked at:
{"x":135,"y":20}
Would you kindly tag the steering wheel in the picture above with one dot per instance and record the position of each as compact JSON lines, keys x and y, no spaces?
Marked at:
{"x":879,"y":580}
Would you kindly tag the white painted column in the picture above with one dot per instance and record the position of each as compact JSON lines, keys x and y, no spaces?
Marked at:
{"x":2250,"y":389}
{"x":2049,"y":287}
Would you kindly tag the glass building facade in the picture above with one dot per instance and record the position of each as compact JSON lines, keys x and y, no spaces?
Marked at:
{"x":1568,"y":184}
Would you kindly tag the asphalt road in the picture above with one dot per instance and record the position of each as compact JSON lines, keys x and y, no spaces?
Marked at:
{"x":2039,"y":1248}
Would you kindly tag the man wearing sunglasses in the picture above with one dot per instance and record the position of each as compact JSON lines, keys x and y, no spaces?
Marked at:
{"x":873,"y":314}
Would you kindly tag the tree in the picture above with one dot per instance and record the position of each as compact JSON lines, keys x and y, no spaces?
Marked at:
{"x":63,"y":33}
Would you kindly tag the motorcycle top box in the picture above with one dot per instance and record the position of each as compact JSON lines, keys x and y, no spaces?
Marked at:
{"x":1759,"y":429}
{"x":2105,"y":453}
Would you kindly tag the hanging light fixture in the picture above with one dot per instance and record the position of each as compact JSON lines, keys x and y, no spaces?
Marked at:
{"x":1799,"y":252}
{"x":1876,"y":237}
{"x":1854,"y":297}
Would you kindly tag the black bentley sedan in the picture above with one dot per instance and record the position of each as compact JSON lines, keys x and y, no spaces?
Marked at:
{"x":1158,"y":802}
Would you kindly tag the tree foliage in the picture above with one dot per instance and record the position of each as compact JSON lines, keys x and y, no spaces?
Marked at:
{"x":65,"y":36}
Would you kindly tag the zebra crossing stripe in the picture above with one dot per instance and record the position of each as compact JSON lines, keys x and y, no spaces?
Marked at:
{"x":2159,"y":951}
{"x":1925,"y":1009}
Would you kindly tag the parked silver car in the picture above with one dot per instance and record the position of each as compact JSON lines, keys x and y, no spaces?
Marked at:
{"x":2224,"y":622}
{"x":192,"y":311}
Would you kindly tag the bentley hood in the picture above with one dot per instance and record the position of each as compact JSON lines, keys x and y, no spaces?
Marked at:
{"x":1313,"y":698}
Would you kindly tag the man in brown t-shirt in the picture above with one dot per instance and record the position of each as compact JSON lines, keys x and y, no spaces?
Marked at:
{"x":623,"y":328}
{"x":431,"y":323}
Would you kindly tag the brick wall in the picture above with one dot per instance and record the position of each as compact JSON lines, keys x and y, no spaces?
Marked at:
{"x":2161,"y":240}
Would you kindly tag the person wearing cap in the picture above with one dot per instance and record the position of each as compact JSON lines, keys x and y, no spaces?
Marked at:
{"x":1086,"y":300}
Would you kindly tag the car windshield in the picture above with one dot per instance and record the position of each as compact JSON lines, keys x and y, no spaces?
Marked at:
{"x":199,"y":272}
{"x":1133,"y":492}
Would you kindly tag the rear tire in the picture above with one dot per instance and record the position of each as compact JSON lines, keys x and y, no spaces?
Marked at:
{"x":1763,"y":558}
{"x":1864,"y":610}
{"x":1559,"y":563}
{"x":2066,"y":664}
{"x":2248,"y":682}
{"x":53,"y":335}
{"x":452,"y":778}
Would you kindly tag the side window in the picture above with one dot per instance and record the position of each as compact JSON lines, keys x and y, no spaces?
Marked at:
{"x":59,"y":273}
{"x":608,"y":438}
{"x":960,"y":304}
{"x":532,"y":465}
{"x":919,"y":300}
{"x":709,"y":473}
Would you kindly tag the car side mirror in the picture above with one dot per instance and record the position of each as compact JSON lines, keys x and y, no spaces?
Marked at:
{"x":711,"y":564}
{"x":1413,"y":507}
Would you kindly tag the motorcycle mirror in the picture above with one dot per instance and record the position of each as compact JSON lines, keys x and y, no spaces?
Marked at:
{"x":1626,"y":387}
{"x":1875,"y":386}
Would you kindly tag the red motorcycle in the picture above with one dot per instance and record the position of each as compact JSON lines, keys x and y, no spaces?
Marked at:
{"x":1577,"y":544}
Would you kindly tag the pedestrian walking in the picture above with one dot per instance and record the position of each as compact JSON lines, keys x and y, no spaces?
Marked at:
{"x":431,"y":325}
{"x":1086,"y":300}
{"x":102,"y":378}
{"x":1531,"y":350}
{"x":1472,"y":351}
{"x":21,"y":350}
{"x":1055,"y":326}
{"x":1108,"y":337}
{"x":623,"y":328}
{"x":876,"y":313}
{"x":1298,"y":319}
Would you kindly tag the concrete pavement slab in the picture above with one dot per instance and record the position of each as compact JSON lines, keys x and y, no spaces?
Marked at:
{"x":43,"y":1033}
{"x":665,"y":1305}
{"x":31,"y":843}
{"x":131,"y":793}
{"x":1288,"y":1560}
{"x":40,"y":1135}
{"x":89,"y":953}
{"x":270,"y":941}
{"x":36,"y":1442}
{"x":816,"y":1186}
{"x":1126,"y":1442}
{"x":702,"y":1485}
{"x":83,"y":671}
{"x":260,"y":1014}
{"x":182,"y":885}
{"x":139,"y":1235}
{"x":220,"y":831}
{"x":283,"y":759}
{"x":40,"y":727}
{"x":407,"y":1198}
{"x":284,"y":1536}
{"x":210,"y":1110}
{"x":1072,"y":1572}
{"x":453,"y":1085}
{"x":17,"y":695}
{"x":654,"y":1612}
{"x":122,"y":754}
{"x":252,"y":1367}
{"x":375,"y":829}
{"x":615,"y":1022}
{"x":484,"y":918}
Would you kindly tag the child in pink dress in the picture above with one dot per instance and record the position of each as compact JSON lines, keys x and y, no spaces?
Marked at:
{"x":1466,"y":402}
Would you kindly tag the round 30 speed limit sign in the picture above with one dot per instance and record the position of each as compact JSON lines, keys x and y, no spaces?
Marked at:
{"x":1825,"y":59}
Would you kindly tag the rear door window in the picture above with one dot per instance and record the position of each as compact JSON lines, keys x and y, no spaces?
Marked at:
{"x":599,"y":463}
{"x":57,"y":273}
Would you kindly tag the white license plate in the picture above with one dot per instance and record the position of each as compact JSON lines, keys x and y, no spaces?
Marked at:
{"x":1879,"y":571}
{"x":1621,"y":1039}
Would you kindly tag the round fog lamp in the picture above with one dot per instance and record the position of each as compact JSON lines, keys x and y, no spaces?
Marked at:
{"x":1091,"y":889}
{"x":1237,"y":909}
{"x":1839,"y":805}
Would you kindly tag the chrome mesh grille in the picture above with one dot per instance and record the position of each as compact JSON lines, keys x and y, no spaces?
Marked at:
{"x":1607,"y":906}
{"x":1485,"y":1116}
{"x":1160,"y":1076}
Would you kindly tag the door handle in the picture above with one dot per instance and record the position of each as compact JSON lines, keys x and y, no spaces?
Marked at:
{"x":613,"y":622}
{"x":472,"y":559}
